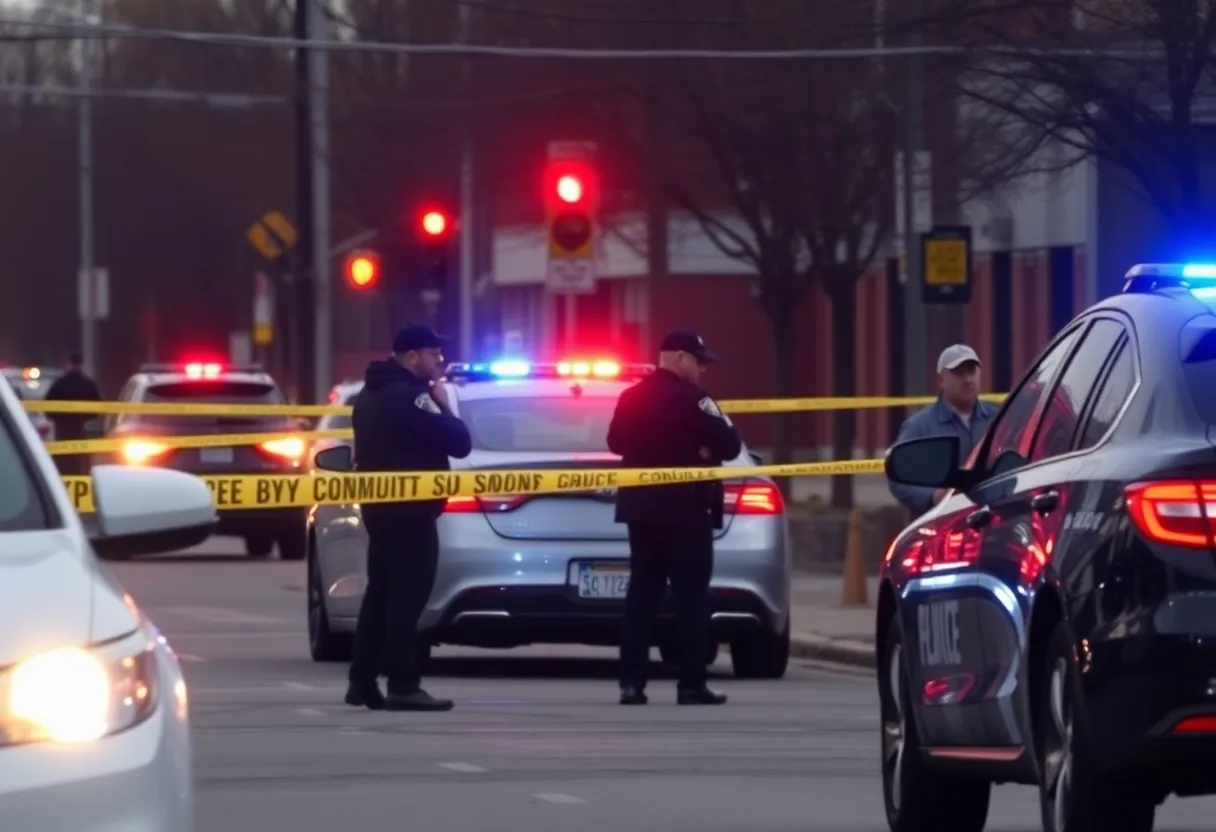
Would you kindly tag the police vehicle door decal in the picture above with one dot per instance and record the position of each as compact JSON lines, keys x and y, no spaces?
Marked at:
{"x":937,"y":627}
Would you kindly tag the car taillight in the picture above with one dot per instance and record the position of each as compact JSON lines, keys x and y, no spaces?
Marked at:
{"x":934,"y":552}
{"x":287,"y":447}
{"x":139,"y":451}
{"x":1204,"y":724}
{"x":1177,"y":513}
{"x":759,"y":498}
{"x":476,"y":505}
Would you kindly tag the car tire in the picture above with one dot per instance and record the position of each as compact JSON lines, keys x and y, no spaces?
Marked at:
{"x":916,"y":796}
{"x":259,"y":545}
{"x":761,"y":655}
{"x":293,"y":545}
{"x":669,"y":651}
{"x":1074,"y":794}
{"x":323,"y":643}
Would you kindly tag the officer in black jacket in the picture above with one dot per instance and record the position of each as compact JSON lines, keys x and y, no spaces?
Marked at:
{"x":74,"y":386}
{"x":668,"y":421}
{"x":402,"y":421}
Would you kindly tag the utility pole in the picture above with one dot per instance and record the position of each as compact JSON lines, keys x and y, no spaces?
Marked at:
{"x":914,"y":124}
{"x":301,"y":305}
{"x":322,"y":284}
{"x":88,"y":322}
{"x":466,"y":300}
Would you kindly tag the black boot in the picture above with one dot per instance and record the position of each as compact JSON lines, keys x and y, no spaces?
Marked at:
{"x":419,"y":700}
{"x":631,"y":695}
{"x":700,"y":696}
{"x":365,"y":696}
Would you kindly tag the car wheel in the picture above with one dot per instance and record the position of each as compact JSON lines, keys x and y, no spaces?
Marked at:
{"x":916,"y":796}
{"x":293,"y":545}
{"x":259,"y":545}
{"x":324,"y":644}
{"x":669,"y":651}
{"x":761,"y":655}
{"x":1074,"y":795}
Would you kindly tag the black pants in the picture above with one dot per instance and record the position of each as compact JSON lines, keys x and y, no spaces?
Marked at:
{"x":402,"y":558}
{"x":683,"y":556}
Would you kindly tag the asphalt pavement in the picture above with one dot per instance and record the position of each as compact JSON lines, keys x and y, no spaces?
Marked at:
{"x":536,"y":742}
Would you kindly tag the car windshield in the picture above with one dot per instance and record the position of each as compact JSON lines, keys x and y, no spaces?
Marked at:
{"x":539,"y":425}
{"x":21,"y":504}
{"x":214,"y":392}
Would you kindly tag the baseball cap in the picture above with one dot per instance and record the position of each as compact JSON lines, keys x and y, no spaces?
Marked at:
{"x":954,"y":356}
{"x":417,"y":337}
{"x":685,"y":340}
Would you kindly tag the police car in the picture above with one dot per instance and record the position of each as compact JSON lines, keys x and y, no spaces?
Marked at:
{"x":1052,"y":621}
{"x":553,"y":568}
{"x":212,"y":383}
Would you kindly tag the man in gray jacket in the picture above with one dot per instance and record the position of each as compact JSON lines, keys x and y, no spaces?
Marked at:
{"x":958,"y":411}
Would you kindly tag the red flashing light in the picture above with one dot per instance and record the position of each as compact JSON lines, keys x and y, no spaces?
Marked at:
{"x":570,"y":189}
{"x":589,"y":369}
{"x":434,"y":223}
{"x":200,"y":370}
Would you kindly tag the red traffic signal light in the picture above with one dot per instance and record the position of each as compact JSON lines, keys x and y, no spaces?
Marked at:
{"x":570,"y":189}
{"x":570,"y":183}
{"x":434,"y":224}
{"x":363,"y":269}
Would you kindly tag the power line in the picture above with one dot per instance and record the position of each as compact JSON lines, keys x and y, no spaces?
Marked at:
{"x":385,"y":47}
{"x":219,"y":100}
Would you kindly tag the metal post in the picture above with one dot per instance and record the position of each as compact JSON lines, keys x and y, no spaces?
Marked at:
{"x":914,"y":306}
{"x":318,"y":76}
{"x":88,"y":323}
{"x":300,"y":307}
{"x":466,"y":299}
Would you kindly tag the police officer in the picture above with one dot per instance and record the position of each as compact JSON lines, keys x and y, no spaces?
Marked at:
{"x":958,"y":411}
{"x":402,"y":421}
{"x":666,"y":421}
{"x":73,"y":386}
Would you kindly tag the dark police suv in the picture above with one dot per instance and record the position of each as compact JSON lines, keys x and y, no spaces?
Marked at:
{"x":1052,"y":621}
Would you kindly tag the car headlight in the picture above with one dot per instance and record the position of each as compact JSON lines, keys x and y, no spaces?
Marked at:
{"x":73,"y":695}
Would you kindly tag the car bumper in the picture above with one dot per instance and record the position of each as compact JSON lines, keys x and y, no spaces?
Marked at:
{"x":499,"y":592}
{"x":140,"y":780}
{"x":273,"y":521}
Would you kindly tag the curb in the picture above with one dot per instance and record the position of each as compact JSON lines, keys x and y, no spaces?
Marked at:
{"x":838,"y":650}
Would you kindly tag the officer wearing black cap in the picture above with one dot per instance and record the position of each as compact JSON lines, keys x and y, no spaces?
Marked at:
{"x":667,"y":421}
{"x":402,"y":421}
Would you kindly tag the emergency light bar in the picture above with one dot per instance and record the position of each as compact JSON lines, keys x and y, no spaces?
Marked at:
{"x":576,"y":370}
{"x":201,"y":369}
{"x":1200,"y":278}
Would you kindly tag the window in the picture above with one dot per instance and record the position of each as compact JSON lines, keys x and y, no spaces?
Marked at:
{"x":1014,"y":420}
{"x":540,"y":425}
{"x":1063,"y":412}
{"x":1115,"y":392}
{"x":338,"y":421}
{"x":21,"y":502}
{"x":214,"y":392}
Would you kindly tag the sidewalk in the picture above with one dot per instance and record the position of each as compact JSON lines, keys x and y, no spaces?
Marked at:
{"x":824,"y":629}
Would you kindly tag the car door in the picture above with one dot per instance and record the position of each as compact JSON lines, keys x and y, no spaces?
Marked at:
{"x":950,"y":604}
{"x":1020,"y":510}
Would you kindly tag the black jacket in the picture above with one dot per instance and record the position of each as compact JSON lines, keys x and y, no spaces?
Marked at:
{"x":664,"y":422}
{"x":74,"y":386}
{"x":399,"y":427}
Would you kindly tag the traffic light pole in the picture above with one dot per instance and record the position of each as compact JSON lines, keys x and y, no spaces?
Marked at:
{"x":466,"y":214}
{"x":322,"y":262}
{"x":914,"y":303}
{"x":88,"y":322}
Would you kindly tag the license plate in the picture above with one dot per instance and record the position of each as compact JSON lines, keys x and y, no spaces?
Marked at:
{"x":602,"y":581}
{"x":215,"y":456}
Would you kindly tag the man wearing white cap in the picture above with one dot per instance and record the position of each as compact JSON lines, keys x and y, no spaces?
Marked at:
{"x":958,"y":411}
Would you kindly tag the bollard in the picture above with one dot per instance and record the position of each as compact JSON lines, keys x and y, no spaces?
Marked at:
{"x":854,"y":591}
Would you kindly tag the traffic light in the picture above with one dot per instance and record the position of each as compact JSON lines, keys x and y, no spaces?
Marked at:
{"x":363,"y":270}
{"x":572,"y":194}
{"x":435,"y":239}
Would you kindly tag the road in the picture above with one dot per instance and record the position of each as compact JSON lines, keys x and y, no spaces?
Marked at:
{"x":536,"y":743}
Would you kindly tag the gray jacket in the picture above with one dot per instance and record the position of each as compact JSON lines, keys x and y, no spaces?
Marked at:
{"x":939,"y":420}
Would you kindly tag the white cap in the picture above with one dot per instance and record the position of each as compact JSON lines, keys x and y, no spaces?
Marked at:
{"x":955,"y":355}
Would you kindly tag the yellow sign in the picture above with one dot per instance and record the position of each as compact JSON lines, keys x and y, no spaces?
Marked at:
{"x":946,"y":263}
{"x":263,"y":334}
{"x":304,"y":491}
{"x":272,"y":235}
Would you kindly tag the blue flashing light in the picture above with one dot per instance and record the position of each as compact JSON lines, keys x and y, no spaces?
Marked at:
{"x":1200,"y":271}
{"x":507,"y":368}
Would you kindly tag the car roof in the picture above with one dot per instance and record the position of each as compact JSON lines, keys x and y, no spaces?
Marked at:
{"x":506,"y":388}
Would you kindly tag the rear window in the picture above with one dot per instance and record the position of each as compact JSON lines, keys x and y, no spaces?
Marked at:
{"x":539,"y":425}
{"x":214,"y":392}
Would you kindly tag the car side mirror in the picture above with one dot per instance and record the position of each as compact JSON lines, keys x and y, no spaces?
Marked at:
{"x":932,"y":461}
{"x":338,"y":458}
{"x":755,"y":458}
{"x":144,"y":511}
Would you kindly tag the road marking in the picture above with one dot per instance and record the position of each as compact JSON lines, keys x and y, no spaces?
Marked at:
{"x":189,"y":657}
{"x":468,"y":768}
{"x":565,"y":799}
{"x":310,"y":711}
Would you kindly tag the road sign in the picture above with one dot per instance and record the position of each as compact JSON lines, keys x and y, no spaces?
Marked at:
{"x":571,"y":277}
{"x":263,"y":309}
{"x":93,"y":294}
{"x":947,"y":259}
{"x":272,"y":235}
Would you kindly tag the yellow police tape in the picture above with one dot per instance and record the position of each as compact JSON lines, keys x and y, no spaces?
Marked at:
{"x":305,"y":491}
{"x":227,"y":440}
{"x":315,"y":410}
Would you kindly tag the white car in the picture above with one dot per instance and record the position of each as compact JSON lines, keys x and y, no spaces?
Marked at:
{"x":94,"y":722}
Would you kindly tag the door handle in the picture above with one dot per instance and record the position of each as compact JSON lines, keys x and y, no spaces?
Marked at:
{"x":979,"y":518}
{"x":1046,"y":502}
